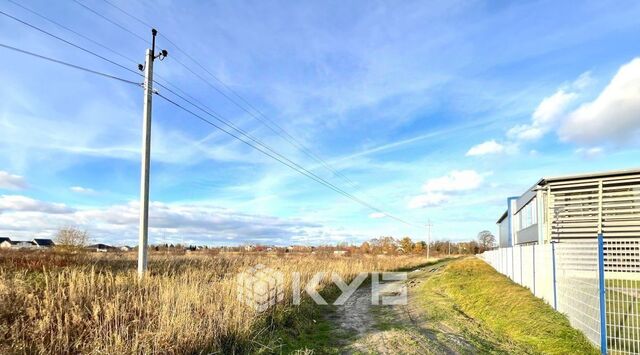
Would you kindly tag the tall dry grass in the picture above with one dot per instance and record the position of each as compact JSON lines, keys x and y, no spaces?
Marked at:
{"x":85,"y":303}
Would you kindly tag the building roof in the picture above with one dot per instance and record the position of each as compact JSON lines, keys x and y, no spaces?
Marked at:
{"x":100,"y":246}
{"x":599,"y":174}
{"x":504,"y":215}
{"x":44,"y":242}
{"x":5,"y":239}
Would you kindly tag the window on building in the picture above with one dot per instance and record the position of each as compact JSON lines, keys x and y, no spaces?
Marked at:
{"x":528,"y":215}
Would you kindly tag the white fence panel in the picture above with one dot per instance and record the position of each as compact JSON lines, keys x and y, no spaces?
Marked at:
{"x":543,"y":269}
{"x":527,"y":267}
{"x":517,"y":264}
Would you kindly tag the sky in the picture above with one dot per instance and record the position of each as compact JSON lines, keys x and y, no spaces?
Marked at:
{"x":432,"y":111}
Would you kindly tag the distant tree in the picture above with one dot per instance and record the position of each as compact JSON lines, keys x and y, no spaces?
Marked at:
{"x":365,"y":248}
{"x":419,"y":247}
{"x":406,"y":244}
{"x":384,"y":245}
{"x":486,"y":240}
{"x":71,"y":237}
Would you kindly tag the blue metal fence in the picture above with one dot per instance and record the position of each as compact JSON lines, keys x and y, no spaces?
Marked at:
{"x":594,"y":282}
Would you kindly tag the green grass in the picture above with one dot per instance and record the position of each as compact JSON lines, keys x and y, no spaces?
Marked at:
{"x":515,"y":319}
{"x":296,"y":330}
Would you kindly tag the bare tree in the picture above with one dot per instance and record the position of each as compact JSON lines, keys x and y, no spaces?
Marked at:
{"x":73,"y":237}
{"x":486,"y":240}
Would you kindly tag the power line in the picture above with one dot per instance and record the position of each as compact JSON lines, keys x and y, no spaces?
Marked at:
{"x":208,"y":111}
{"x":296,"y":166}
{"x":68,"y":42}
{"x":287,"y":137}
{"x":279,"y":130}
{"x":283,"y":160}
{"x":128,"y":14}
{"x":112,"y":22}
{"x":68,"y":64}
{"x":74,"y":32}
{"x":102,"y":45}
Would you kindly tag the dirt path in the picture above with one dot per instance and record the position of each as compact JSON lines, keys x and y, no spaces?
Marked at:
{"x":406,"y":329}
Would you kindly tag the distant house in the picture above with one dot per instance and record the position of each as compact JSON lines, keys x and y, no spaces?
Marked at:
{"x":100,"y":248}
{"x":43,"y":243}
{"x":5,"y":242}
{"x":340,"y":252}
{"x":23,"y":244}
{"x":125,"y":248}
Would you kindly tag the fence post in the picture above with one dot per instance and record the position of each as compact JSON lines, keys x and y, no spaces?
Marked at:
{"x":603,"y":309}
{"x":521,"y":281}
{"x":513,"y":269}
{"x":553,"y":264}
{"x":533,"y":249}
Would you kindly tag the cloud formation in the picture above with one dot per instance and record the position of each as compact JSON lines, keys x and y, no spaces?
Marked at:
{"x":441,"y":189}
{"x":590,"y":153}
{"x":614,"y":116}
{"x":11,"y":182}
{"x":13,"y":203}
{"x":24,"y":217}
{"x":488,"y":147}
{"x":544,"y":118}
{"x":82,"y":190}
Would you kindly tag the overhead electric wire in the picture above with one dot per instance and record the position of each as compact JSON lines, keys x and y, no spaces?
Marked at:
{"x":128,"y":14}
{"x":113,"y":22}
{"x":83,"y":36}
{"x":291,"y":139}
{"x":282,"y":132}
{"x":79,"y":34}
{"x":69,"y":42}
{"x":283,"y":160}
{"x":71,"y":65}
{"x":281,"y":157}
{"x":267,"y":150}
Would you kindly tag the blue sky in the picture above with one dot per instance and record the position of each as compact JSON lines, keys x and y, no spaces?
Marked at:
{"x":435,"y":110}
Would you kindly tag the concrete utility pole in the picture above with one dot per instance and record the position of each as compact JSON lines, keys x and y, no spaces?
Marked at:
{"x":146,"y":153}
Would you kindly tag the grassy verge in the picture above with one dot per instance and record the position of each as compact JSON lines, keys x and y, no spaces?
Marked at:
{"x":515,"y":319}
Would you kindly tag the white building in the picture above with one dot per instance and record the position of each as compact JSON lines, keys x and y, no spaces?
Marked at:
{"x":575,"y":206}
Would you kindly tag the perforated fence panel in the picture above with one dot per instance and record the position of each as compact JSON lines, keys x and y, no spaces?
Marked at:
{"x":592,"y":281}
{"x":622,"y":284}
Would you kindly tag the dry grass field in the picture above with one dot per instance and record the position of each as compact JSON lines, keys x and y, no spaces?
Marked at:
{"x":63,"y":302}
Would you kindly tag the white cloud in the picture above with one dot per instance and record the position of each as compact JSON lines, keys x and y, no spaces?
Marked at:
{"x":377,"y":215}
{"x":584,"y":80}
{"x":428,"y":199}
{"x":545,"y":117}
{"x":488,"y":147}
{"x":456,"y":180}
{"x":194,"y":223}
{"x":82,"y":190}
{"x":593,"y":152}
{"x":439,"y":190}
{"x":11,"y":182}
{"x":23,"y":203}
{"x":614,"y":116}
